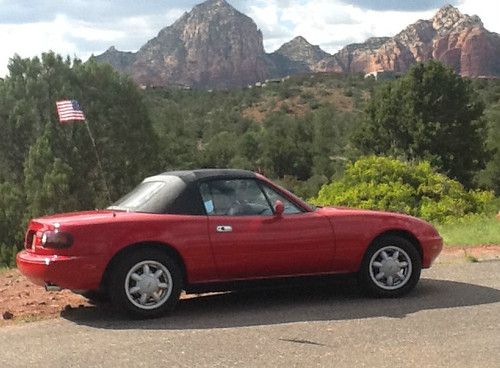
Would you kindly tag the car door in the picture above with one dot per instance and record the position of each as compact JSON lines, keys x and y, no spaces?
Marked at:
{"x":249,"y":241}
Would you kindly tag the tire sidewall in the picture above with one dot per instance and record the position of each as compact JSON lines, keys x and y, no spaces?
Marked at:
{"x":365,"y":280}
{"x":119,"y":272}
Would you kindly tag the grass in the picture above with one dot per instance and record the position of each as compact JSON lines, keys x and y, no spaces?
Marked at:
{"x":474,"y":232}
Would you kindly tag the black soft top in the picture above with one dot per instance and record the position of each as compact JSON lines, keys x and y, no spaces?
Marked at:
{"x":180,"y":195}
{"x":189,"y":176}
{"x":183,"y":197}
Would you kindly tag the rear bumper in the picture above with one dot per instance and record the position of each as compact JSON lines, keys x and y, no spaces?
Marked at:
{"x":67,"y":272}
{"x":431,"y":248}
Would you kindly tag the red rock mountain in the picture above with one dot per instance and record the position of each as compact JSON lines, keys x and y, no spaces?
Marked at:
{"x":456,"y":39}
{"x":216,"y":46}
{"x":213,"y":46}
{"x":296,"y":56}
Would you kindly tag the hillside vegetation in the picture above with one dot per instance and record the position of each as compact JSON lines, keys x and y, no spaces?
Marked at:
{"x":301,"y":131}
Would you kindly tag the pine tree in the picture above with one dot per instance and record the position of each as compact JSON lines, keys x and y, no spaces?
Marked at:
{"x":53,"y":165}
{"x":431,"y":113}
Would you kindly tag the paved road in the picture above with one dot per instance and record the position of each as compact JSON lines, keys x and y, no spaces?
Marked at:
{"x":452,"y":319}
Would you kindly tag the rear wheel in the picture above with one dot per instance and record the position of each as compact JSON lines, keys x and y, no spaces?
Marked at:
{"x":96,"y":297}
{"x":146,"y":283}
{"x":391,"y":267}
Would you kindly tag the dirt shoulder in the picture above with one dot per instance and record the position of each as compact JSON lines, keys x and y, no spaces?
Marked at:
{"x":21,"y":301}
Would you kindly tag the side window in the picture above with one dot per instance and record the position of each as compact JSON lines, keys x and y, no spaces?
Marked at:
{"x":206,"y":196}
{"x":273,"y":196}
{"x":240,"y":197}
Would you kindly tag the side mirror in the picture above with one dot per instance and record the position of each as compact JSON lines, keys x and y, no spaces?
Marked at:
{"x":279,"y":208}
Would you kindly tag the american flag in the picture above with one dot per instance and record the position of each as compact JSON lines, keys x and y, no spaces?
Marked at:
{"x":69,"y":110}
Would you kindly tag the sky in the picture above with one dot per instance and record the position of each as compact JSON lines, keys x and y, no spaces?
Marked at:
{"x":80,"y":28}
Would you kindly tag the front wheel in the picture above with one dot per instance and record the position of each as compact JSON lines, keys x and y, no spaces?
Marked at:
{"x":391,"y":267}
{"x":146,"y":283}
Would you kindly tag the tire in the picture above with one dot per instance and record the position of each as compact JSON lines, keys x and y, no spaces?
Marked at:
{"x":96,"y":297}
{"x":145,"y":283}
{"x":385,"y":273}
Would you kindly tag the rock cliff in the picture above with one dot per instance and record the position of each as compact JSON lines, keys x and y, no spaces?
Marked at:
{"x":216,"y":46}
{"x":456,"y":39}
{"x":297,"y":56}
{"x":213,"y":46}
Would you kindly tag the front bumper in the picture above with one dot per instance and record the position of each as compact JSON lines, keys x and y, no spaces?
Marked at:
{"x":431,"y":248}
{"x":67,"y":272}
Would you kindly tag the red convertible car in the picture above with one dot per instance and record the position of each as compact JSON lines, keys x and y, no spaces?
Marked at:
{"x":211,"y":230}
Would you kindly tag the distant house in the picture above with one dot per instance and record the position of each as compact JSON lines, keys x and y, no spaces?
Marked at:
{"x":487,"y":77}
{"x":381,"y":75}
{"x":274,"y":81}
{"x":268,"y":82}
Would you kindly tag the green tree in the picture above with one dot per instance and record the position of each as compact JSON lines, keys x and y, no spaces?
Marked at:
{"x":55,"y":165}
{"x":12,"y":207}
{"x":48,"y":181}
{"x":413,"y":188}
{"x":286,"y":147}
{"x":219,"y":151}
{"x":249,"y":146}
{"x":490,"y":176}
{"x":431,"y":113}
{"x":330,"y":141}
{"x":115,"y":112}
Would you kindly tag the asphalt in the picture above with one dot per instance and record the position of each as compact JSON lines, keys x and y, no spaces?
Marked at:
{"x":452,"y":319}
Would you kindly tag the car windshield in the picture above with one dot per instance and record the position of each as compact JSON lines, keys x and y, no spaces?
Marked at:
{"x":151,"y":196}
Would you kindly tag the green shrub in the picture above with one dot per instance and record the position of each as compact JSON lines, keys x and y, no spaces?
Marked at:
{"x":286,"y":92}
{"x":8,"y":256}
{"x":413,"y":188}
{"x":348,"y":93}
{"x":302,"y":188}
{"x":12,"y":224}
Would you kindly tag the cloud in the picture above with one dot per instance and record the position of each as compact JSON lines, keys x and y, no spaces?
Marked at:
{"x":76,"y":36}
{"x":31,"y":39}
{"x":487,"y":10}
{"x":92,"y":11}
{"x":333,"y":24}
{"x":398,"y":5}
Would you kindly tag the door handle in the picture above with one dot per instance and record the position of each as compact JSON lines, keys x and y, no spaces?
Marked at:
{"x":224,"y":229}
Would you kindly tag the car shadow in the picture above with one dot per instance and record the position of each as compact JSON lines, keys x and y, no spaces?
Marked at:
{"x":329,"y":302}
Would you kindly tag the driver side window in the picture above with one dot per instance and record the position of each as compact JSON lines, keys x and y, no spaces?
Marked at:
{"x":290,"y":208}
{"x":239,"y":197}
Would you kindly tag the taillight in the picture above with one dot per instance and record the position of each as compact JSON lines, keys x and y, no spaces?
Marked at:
{"x":55,"y":239}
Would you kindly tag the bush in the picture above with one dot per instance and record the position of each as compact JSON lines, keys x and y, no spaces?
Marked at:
{"x":413,"y":188}
{"x":8,"y":256}
{"x":286,"y":92}
{"x":348,"y":93}
{"x":12,"y":224}
{"x":302,"y":188}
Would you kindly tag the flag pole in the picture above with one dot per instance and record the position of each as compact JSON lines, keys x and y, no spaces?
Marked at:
{"x":70,"y":110}
{"x":104,"y":182}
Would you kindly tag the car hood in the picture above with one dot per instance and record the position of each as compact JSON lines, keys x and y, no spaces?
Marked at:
{"x":347,"y":211}
{"x":389,"y":220}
